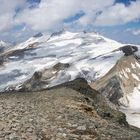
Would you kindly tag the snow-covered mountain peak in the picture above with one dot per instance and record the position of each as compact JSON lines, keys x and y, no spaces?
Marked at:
{"x":88,"y":52}
{"x":4,"y":44}
{"x":83,"y":51}
{"x":90,"y":56}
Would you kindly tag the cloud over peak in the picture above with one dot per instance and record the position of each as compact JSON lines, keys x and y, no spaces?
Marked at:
{"x":119,"y":14}
{"x":51,"y":14}
{"x":7,"y":12}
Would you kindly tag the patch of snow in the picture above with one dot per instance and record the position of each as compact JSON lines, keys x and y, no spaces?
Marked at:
{"x":128,"y":70}
{"x":4,"y":44}
{"x":65,"y":42}
{"x":133,"y":65}
{"x":18,"y":87}
{"x":132,"y":109}
{"x":137,"y":64}
{"x":125,"y":74}
{"x":121,"y":76}
{"x":135,"y":77}
{"x":132,"y":117}
{"x":22,"y":77}
{"x":13,"y":57}
{"x":139,"y":87}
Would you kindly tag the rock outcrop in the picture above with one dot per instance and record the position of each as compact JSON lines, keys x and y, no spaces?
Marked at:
{"x":120,"y":80}
{"x":129,"y":50}
{"x":121,"y":87}
{"x":40,"y":79}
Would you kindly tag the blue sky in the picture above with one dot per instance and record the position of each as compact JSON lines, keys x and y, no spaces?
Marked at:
{"x":126,"y":2}
{"x":116,"y":19}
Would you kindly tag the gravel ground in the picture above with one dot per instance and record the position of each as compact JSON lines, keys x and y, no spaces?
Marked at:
{"x":57,"y":114}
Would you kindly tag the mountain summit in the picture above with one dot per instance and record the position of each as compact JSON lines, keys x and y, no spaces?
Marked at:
{"x":89,"y":55}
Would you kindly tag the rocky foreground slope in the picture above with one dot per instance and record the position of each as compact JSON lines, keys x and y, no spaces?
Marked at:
{"x":72,"y":111}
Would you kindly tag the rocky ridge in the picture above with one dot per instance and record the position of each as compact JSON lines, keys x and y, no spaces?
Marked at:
{"x":121,"y":86}
{"x":69,"y":111}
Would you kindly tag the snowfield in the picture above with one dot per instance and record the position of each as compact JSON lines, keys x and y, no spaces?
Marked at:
{"x":89,"y":52}
{"x":132,"y":109}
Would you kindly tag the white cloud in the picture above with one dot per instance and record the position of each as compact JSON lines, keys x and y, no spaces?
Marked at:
{"x":7,"y":12}
{"x":50,"y":14}
{"x":119,"y":14}
{"x":6,"y":21}
{"x":136,"y":32}
{"x":133,"y":31}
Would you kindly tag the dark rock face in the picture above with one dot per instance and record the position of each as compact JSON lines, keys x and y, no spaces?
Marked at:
{"x":37,"y":75}
{"x":57,"y":33}
{"x":129,"y":50}
{"x":112,"y":90}
{"x":96,"y":99}
{"x":41,"y":79}
{"x":38,"y":35}
{"x":20,"y":53}
{"x":80,"y":85}
{"x":84,"y":31}
{"x":59,"y":66}
{"x":1,"y":49}
{"x":1,"y":60}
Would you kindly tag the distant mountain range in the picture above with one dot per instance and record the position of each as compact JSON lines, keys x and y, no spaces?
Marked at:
{"x":4,"y":46}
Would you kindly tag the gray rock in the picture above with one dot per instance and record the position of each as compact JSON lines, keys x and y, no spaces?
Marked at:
{"x":81,"y":128}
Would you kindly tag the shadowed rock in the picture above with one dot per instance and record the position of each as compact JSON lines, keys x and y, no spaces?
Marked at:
{"x":100,"y":102}
{"x":38,"y":35}
{"x":129,"y":50}
{"x":41,"y":79}
{"x":112,"y":90}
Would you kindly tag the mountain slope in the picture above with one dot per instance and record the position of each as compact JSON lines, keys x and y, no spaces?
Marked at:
{"x":89,"y":55}
{"x":69,"y":111}
{"x":4,"y":46}
{"x":121,"y":86}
